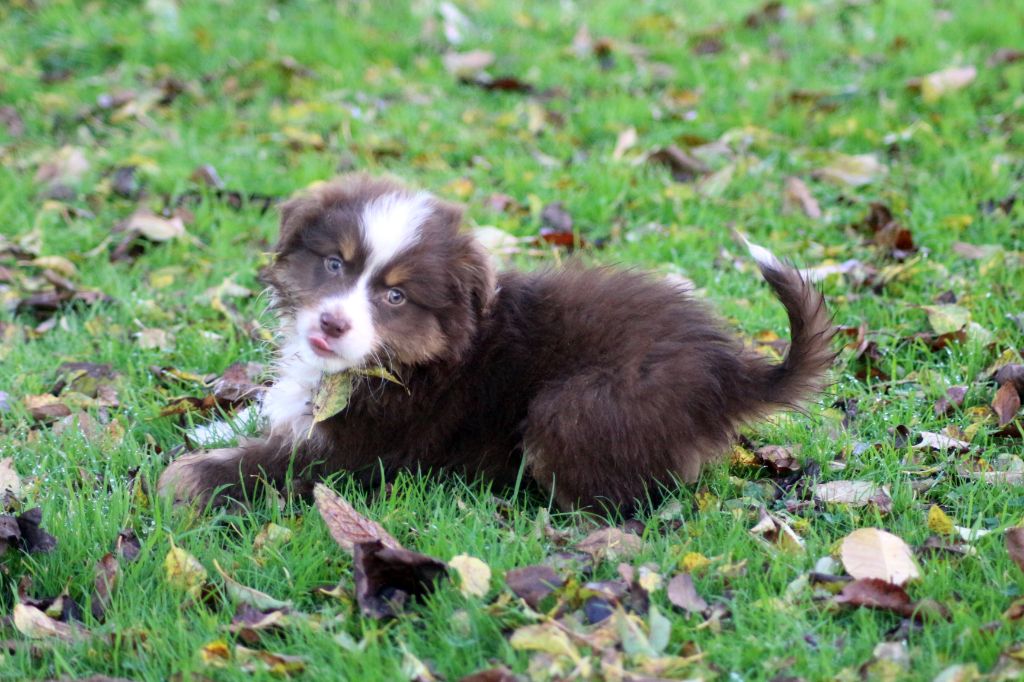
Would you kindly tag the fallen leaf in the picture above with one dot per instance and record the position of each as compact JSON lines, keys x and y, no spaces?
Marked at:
{"x":347,"y":526}
{"x":874,"y":593}
{"x":545,"y":637}
{"x":777,"y":532}
{"x":270,"y":537}
{"x":467,"y":64}
{"x":1006,"y":403}
{"x":10,"y":482}
{"x":127,"y":545}
{"x":474,"y":575}
{"x":627,"y":140}
{"x":935,"y":85}
{"x":66,"y":167}
{"x":1012,"y":374}
{"x":499,"y":674}
{"x":939,"y":522}
{"x":797,"y":196}
{"x":1005,"y":55}
{"x":240,"y":594}
{"x":184,"y":572}
{"x":852,"y":171}
{"x":952,"y":400}
{"x":159,"y":339}
{"x":35,"y":624}
{"x":250,"y":622}
{"x":779,"y":458}
{"x":33,"y":539}
{"x":1015,"y":545}
{"x":947,"y":318}
{"x":386,"y":576}
{"x":682,"y":166}
{"x":533,"y":583}
{"x":610,"y":543}
{"x":854,"y":494}
{"x":46,"y":407}
{"x":413,"y":669}
{"x":107,"y":573}
{"x":682,"y":593}
{"x":875,"y":553}
{"x":155,"y":228}
{"x":941,"y":442}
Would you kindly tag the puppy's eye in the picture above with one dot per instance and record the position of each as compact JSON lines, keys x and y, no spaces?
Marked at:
{"x":333,"y":264}
{"x":395,"y":296}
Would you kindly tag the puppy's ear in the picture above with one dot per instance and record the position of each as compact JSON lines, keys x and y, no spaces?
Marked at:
{"x":475,"y":273}
{"x":294,"y":214}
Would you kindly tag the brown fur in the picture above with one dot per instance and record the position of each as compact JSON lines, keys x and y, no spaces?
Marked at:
{"x":609,"y":382}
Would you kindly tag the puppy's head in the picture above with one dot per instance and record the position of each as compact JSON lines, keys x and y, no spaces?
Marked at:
{"x":367,"y":271}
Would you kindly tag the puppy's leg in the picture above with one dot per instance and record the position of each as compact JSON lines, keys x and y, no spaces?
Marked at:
{"x":594,"y":444}
{"x":227,"y":473}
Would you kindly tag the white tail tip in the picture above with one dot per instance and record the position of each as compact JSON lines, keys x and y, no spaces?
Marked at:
{"x":764,"y":257}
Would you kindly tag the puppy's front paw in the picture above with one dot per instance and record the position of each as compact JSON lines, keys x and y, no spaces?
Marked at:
{"x":191,"y":478}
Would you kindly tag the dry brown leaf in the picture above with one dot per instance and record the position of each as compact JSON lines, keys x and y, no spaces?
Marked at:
{"x":626,"y":141}
{"x":877,"y":594}
{"x":467,"y":64}
{"x":875,"y":553}
{"x":385,"y":577}
{"x":155,"y":228}
{"x":796,"y":195}
{"x":938,"y":441}
{"x":347,"y":526}
{"x":682,"y":593}
{"x":852,"y":171}
{"x":10,"y":482}
{"x":67,"y":166}
{"x":533,"y":583}
{"x":611,"y":543}
{"x":107,"y":572}
{"x":1006,"y":403}
{"x":935,"y":85}
{"x":1015,"y":545}
{"x":854,"y":494}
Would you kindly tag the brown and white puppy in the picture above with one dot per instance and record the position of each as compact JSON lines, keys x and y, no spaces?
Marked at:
{"x":610,"y":383}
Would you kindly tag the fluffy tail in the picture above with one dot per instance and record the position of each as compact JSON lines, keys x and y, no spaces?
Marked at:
{"x":804,"y":371}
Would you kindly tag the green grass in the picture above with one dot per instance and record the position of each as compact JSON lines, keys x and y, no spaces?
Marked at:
{"x":379,"y":99}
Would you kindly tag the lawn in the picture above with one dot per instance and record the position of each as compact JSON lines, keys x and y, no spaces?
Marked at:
{"x":878,"y":143}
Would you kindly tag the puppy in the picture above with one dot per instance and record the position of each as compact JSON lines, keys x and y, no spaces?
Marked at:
{"x":609,"y":383}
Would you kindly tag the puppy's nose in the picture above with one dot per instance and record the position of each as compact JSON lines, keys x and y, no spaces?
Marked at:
{"x":334,"y":326}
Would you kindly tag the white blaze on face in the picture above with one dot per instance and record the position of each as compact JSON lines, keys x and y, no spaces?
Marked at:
{"x":389,"y":225}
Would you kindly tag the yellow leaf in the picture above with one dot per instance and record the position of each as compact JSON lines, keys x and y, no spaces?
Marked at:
{"x":331,"y":395}
{"x":216,"y":653}
{"x":58,"y":264}
{"x":184,"y":572}
{"x":939,"y":522}
{"x":474,"y":575}
{"x":694,"y":562}
{"x":544,"y":637}
{"x":946,"y":318}
{"x":35,"y":624}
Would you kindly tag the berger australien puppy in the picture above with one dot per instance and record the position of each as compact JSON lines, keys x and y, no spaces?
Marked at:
{"x":610,"y":383}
